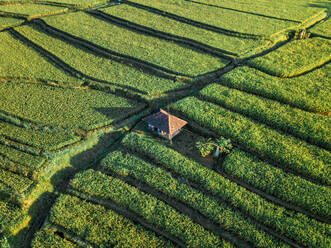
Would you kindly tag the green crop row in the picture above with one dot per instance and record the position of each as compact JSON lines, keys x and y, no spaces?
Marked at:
{"x":24,"y":62}
{"x":294,"y":58}
{"x":322,"y":28}
{"x":99,"y":226}
{"x":12,"y":184}
{"x":297,"y":155}
{"x":222,"y":18}
{"x":7,"y":22}
{"x":293,"y":225}
{"x":31,"y":11}
{"x":162,"y":53}
{"x":149,"y":207}
{"x":311,"y":127}
{"x":98,"y":67}
{"x":48,"y":239}
{"x":151,"y":20}
{"x":129,"y":165}
{"x":274,"y":181}
{"x":20,"y":162}
{"x":65,"y":107}
{"x":295,"y":10}
{"x":309,"y":91}
{"x":40,"y":139}
{"x":12,"y":219}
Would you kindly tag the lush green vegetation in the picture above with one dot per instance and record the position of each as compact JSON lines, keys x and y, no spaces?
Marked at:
{"x":230,"y":20}
{"x":31,"y":11}
{"x":65,"y":107}
{"x":6,"y":22}
{"x":20,"y":162}
{"x":159,"y":52}
{"x":293,"y":225}
{"x":274,"y":181}
{"x":48,"y":239}
{"x":295,"y":154}
{"x":12,"y":184}
{"x":295,"y":57}
{"x":12,"y":218}
{"x":100,"y":226}
{"x":128,"y":165}
{"x":46,"y":140}
{"x":310,"y":91}
{"x":295,"y":10}
{"x":152,"y":209}
{"x":149,"y":19}
{"x":311,"y":127}
{"x":98,"y":67}
{"x":24,"y":62}
{"x":322,"y":28}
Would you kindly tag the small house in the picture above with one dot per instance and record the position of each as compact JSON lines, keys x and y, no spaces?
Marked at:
{"x":165,"y":124}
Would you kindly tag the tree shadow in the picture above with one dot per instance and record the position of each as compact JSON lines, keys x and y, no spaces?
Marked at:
{"x":118,"y":114}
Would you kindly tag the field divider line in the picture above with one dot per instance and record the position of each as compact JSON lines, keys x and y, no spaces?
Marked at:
{"x":129,"y":214}
{"x":197,"y":186}
{"x":242,"y":11}
{"x":203,"y":129}
{"x":162,"y":35}
{"x":107,"y":53}
{"x":267,"y":124}
{"x":183,"y":208}
{"x":63,"y":65}
{"x":194,"y":23}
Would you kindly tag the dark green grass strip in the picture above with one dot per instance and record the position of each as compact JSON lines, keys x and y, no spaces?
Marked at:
{"x":305,"y":125}
{"x":309,"y":92}
{"x":99,"y":226}
{"x":304,"y":230}
{"x":294,"y":58}
{"x":49,"y":239}
{"x":274,"y":181}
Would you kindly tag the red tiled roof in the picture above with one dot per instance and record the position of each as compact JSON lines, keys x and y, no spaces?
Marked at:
{"x":166,"y":122}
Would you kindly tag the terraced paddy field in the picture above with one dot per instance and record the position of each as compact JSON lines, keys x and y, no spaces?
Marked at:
{"x":80,"y":168}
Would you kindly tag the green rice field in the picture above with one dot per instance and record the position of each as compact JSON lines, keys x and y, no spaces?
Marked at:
{"x":81,"y":167}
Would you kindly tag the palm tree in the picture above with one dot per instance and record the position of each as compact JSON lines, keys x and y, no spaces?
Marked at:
{"x":207,"y":146}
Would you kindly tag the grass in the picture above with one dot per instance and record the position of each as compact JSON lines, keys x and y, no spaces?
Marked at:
{"x":49,"y":239}
{"x":20,"y":162}
{"x":126,"y":164}
{"x":142,"y":17}
{"x":18,"y":60}
{"x":305,"y":231}
{"x":309,"y":92}
{"x":322,"y":28}
{"x":12,"y":184}
{"x":308,"y":126}
{"x":100,"y":226}
{"x":235,"y":21}
{"x":153,"y":210}
{"x":295,"y":10}
{"x":31,"y":11}
{"x":159,"y":52}
{"x":65,"y":107}
{"x":6,"y":22}
{"x":294,"y":58}
{"x":288,"y":151}
{"x":276,"y":182}
{"x":12,"y":218}
{"x":46,"y":140}
{"x":100,"y":68}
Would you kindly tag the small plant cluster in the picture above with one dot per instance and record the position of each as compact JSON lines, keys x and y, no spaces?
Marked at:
{"x":221,"y":145}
